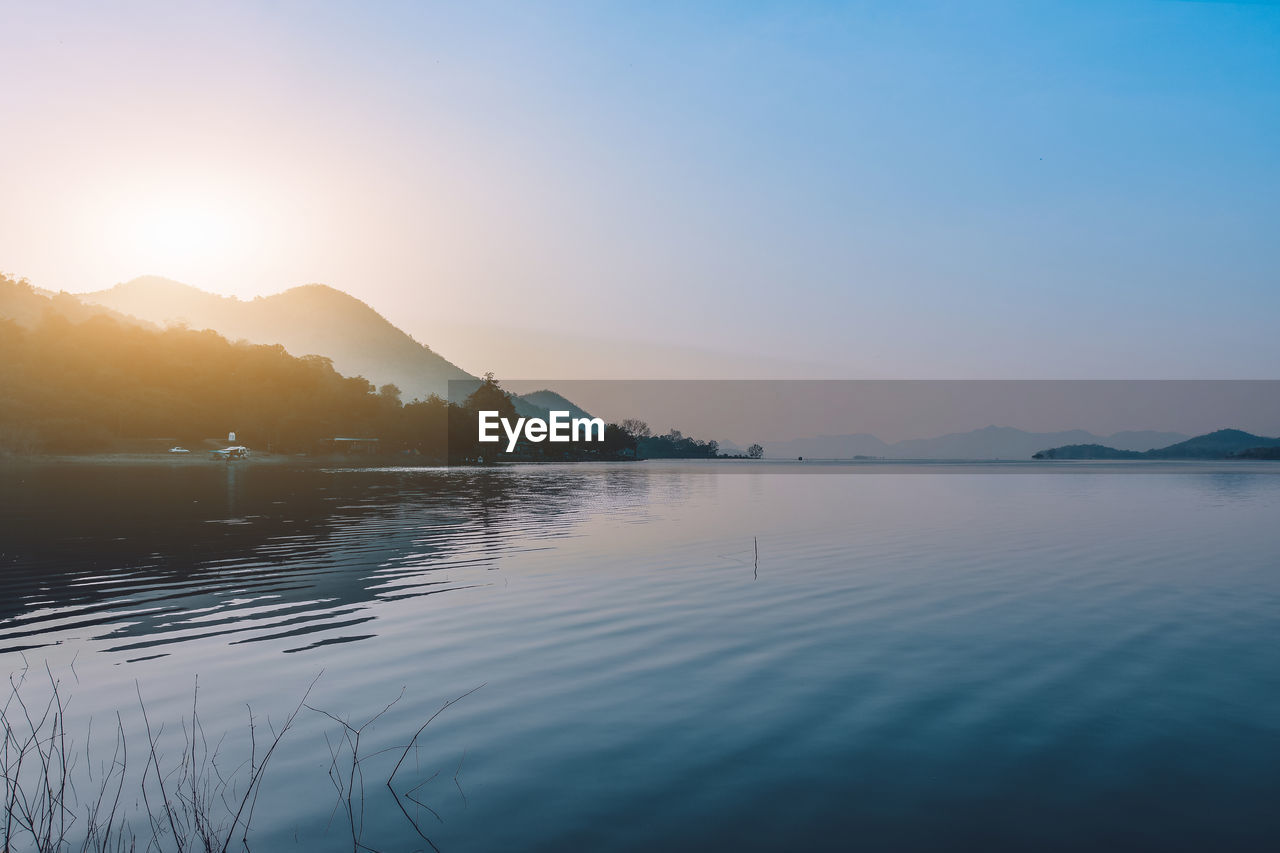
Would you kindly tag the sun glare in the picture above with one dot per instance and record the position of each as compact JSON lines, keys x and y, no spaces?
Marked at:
{"x":181,"y":233}
{"x":219,"y":233}
{"x":189,"y":233}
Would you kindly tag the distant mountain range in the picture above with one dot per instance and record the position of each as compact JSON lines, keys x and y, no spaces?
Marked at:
{"x":319,"y":320}
{"x":992,"y":442}
{"x":1222,"y":444}
{"x":310,"y":320}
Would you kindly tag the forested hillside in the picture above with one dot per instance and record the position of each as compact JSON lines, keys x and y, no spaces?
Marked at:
{"x":73,"y":380}
{"x":308,"y":320}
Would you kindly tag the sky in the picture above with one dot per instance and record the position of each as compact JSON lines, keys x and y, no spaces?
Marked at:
{"x":657,"y":190}
{"x":745,"y":411}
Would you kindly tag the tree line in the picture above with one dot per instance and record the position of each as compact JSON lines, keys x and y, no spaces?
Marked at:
{"x":76,"y":387}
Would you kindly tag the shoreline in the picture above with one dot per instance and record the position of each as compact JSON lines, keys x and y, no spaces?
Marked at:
{"x":177,"y":460}
{"x":265,"y":459}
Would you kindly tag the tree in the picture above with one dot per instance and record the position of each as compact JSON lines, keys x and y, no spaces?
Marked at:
{"x":755,"y":451}
{"x":390,"y":392}
{"x":618,"y":440}
{"x":490,"y":397}
{"x":464,"y":421}
{"x":636,"y":428}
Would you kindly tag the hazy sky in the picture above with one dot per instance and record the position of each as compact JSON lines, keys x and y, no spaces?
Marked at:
{"x":747,"y":411}
{"x":894,"y":189}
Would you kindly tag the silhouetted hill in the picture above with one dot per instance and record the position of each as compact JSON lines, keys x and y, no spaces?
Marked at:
{"x":100,"y":383}
{"x":537,"y":404}
{"x":1086,"y":451}
{"x":547,"y":400}
{"x":28,"y":306}
{"x":105,"y":385}
{"x":1214,"y":445}
{"x":310,"y":320}
{"x":1221,"y":444}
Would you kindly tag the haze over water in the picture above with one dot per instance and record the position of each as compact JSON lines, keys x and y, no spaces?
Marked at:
{"x":964,"y":656}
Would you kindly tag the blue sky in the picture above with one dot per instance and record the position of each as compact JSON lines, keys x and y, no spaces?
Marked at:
{"x":971,"y":190}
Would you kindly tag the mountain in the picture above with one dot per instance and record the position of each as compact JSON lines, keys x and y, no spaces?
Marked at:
{"x":310,"y":320}
{"x":1222,"y":444}
{"x":1215,"y":445}
{"x":536,"y":404}
{"x":27,"y":306}
{"x":992,"y":442}
{"x":541,"y":403}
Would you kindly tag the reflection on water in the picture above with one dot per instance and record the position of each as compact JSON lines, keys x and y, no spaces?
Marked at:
{"x":932,"y":658}
{"x":140,"y":558}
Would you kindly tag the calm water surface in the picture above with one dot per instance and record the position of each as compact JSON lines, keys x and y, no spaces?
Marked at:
{"x":923,"y":657}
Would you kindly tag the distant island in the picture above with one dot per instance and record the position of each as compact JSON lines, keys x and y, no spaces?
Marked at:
{"x":1221,"y":444}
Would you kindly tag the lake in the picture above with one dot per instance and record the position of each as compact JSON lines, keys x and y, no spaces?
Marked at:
{"x":687,"y":656}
